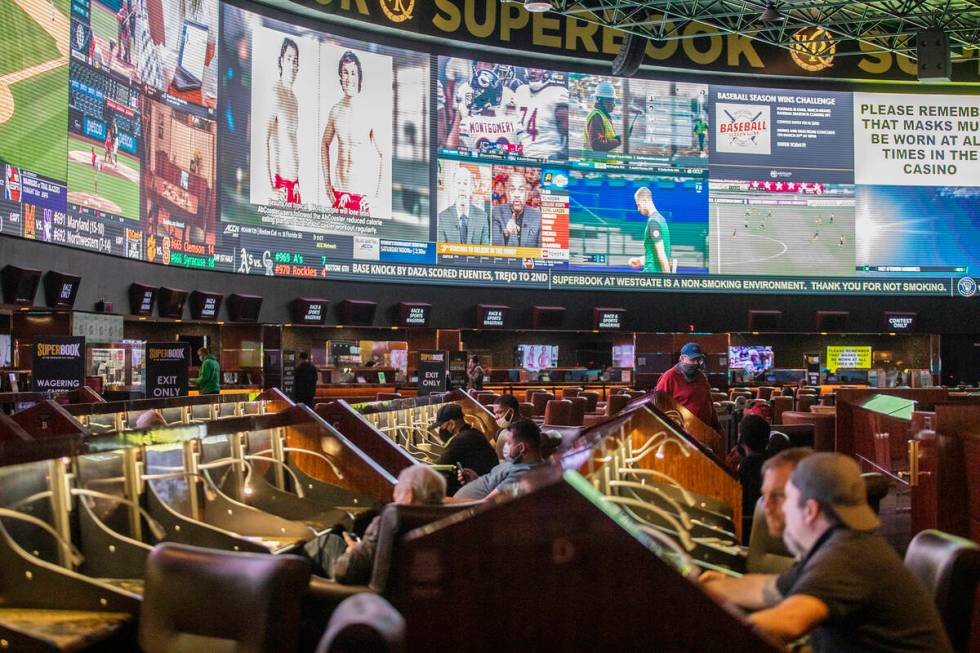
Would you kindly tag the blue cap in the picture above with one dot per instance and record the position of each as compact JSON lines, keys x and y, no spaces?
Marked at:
{"x":692,"y":350}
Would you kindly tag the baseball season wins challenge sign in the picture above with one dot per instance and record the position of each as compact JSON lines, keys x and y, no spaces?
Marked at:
{"x":58,"y":363}
{"x":167,"y":366}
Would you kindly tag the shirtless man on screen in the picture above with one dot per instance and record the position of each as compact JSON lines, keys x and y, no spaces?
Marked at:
{"x":356,"y":176}
{"x":282,"y":150}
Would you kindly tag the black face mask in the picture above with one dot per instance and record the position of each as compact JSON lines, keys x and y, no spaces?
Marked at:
{"x":689,"y":370}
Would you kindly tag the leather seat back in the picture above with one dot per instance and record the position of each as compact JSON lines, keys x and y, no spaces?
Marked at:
{"x":949,"y":568}
{"x":206,"y":600}
{"x":396,"y":520}
{"x":364,"y":623}
{"x":558,"y":412}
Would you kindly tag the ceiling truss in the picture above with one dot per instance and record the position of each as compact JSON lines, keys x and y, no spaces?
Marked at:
{"x":855,"y":27}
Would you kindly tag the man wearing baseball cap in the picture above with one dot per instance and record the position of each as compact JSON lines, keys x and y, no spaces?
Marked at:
{"x":848,"y":589}
{"x":689,"y":387}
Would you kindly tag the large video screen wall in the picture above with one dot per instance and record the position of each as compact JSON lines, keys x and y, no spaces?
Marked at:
{"x":198,"y":134}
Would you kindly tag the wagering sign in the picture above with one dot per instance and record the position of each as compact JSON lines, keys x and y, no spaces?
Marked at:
{"x":815,"y":52}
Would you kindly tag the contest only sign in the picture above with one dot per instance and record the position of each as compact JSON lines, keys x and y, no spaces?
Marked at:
{"x":58,"y":363}
{"x":433,"y":367}
{"x":167,"y":365}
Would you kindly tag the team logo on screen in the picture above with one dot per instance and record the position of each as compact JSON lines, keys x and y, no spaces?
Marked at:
{"x":398,"y":11}
{"x":967,"y":287}
{"x":813,"y":49}
{"x":742,"y":128}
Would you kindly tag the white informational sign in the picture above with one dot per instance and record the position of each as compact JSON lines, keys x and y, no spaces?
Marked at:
{"x":743,"y":128}
{"x":916,"y":140}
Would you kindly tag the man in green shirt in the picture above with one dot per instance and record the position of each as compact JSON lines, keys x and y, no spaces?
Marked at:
{"x":208,"y":381}
{"x":701,"y":130}
{"x":656,"y":236}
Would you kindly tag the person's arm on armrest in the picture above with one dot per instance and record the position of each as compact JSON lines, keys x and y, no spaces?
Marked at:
{"x":794,"y":617}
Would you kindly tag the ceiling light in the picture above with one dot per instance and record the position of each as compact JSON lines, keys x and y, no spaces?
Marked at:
{"x":537,"y":6}
{"x":771,"y":14}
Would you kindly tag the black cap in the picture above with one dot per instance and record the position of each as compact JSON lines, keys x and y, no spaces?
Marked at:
{"x":448,"y":412}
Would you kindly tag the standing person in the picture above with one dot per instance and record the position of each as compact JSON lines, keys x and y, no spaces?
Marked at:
{"x":359,"y":164}
{"x":208,"y":380}
{"x":281,"y":146}
{"x":542,"y":108}
{"x":475,"y":374}
{"x":688,"y":386}
{"x":464,"y":444}
{"x":656,"y":236}
{"x":850,"y":591}
{"x":305,"y":379}
{"x":515,"y":224}
{"x":600,"y":133}
{"x":700,"y":129}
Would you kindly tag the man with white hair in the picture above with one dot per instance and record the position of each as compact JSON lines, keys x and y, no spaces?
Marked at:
{"x":462,"y":221}
{"x":351,"y":561}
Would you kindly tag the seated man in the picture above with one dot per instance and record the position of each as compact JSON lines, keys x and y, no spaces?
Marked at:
{"x":464,"y":444}
{"x":528,"y":449}
{"x":506,"y":409}
{"x":767,"y":553}
{"x":850,"y":590}
{"x":351,"y":561}
{"x":753,"y":436}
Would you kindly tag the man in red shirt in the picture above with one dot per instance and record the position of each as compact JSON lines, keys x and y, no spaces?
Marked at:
{"x":688,"y":386}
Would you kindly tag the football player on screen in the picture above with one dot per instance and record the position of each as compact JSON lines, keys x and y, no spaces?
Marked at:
{"x":542,"y":109}
{"x":483,"y":108}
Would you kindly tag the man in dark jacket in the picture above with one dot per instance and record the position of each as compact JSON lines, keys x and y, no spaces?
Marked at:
{"x":464,"y":444}
{"x":304,"y":380}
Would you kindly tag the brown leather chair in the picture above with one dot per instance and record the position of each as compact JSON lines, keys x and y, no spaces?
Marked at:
{"x":617,"y":403}
{"x":539,"y":401}
{"x":877,"y":486}
{"x":558,"y":412}
{"x":824,"y":427}
{"x":719,"y":397}
{"x":593,"y":399}
{"x":803,"y":402}
{"x":779,"y":406}
{"x":579,"y":405}
{"x":568,"y":393}
{"x":949,"y":568}
{"x":487,"y":398}
{"x":364,"y":623}
{"x":324,"y":596}
{"x":206,"y":600}
{"x":527,"y":409}
{"x":386,"y":396}
{"x":764,"y":392}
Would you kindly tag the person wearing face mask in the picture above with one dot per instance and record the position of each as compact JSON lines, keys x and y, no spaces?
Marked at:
{"x":505,"y":410}
{"x":688,"y":386}
{"x":529,"y":448}
{"x":464,"y":444}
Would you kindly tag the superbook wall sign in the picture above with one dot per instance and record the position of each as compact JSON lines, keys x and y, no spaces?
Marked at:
{"x":815,"y":52}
